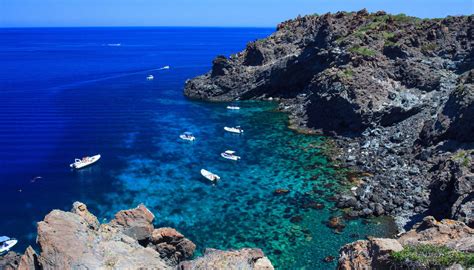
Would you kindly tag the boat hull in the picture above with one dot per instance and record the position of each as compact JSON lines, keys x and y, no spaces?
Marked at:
{"x":9,"y":244}
{"x":210,"y":176}
{"x":187,"y":138}
{"x":233,"y":130}
{"x":231,"y":157}
{"x":81,"y":165}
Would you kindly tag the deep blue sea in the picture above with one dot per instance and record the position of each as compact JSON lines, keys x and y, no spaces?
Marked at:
{"x":70,"y":92}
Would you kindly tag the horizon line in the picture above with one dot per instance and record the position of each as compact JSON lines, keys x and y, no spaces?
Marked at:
{"x":137,"y":26}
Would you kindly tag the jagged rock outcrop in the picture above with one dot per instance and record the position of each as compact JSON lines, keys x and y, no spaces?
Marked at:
{"x":244,"y":259}
{"x":396,"y":91}
{"x":76,"y":240}
{"x":375,"y":253}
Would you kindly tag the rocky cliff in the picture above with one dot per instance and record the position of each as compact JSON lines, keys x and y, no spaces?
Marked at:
{"x":76,"y":240}
{"x":396,"y":92}
{"x":430,"y":244}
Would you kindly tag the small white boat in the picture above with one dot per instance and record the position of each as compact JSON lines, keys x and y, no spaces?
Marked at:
{"x":210,"y":176}
{"x":233,"y":107}
{"x":236,"y":129}
{"x":6,"y":243}
{"x":229,"y":154}
{"x":85,"y":161}
{"x":150,"y":77}
{"x":187,"y":136}
{"x":165,"y":67}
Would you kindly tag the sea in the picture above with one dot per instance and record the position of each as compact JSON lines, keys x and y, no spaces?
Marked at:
{"x":66,"y":93}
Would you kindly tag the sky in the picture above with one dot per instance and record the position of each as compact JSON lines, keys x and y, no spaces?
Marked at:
{"x":247,"y":13}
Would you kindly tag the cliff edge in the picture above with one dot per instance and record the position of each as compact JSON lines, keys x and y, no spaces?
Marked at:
{"x":396,"y":92}
{"x":76,"y":240}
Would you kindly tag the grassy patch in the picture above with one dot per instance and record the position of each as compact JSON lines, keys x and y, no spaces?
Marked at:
{"x":462,"y":157}
{"x":404,"y":18}
{"x":362,"y":50}
{"x":429,"y":47}
{"x":388,"y":35}
{"x":433,"y":256}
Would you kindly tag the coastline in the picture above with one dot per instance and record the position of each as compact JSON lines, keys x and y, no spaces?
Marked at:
{"x":394,"y":100}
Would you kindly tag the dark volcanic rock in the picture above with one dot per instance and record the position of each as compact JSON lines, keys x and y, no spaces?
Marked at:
{"x":396,"y":91}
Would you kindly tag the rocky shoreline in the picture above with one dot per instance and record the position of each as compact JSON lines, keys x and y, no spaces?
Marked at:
{"x":396,"y":93}
{"x":76,"y":240}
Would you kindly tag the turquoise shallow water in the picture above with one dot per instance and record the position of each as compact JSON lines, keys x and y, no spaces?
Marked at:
{"x":242,"y":209}
{"x":66,"y":93}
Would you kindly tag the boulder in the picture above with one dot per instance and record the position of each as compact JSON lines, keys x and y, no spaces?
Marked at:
{"x":243,"y":259}
{"x":171,"y":245}
{"x":136,"y":223}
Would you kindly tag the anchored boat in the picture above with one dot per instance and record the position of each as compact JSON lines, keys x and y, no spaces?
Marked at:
{"x":236,"y":129}
{"x":210,"y":176}
{"x":229,"y":154}
{"x":6,"y":243}
{"x":150,"y":77}
{"x":187,"y":136}
{"x":233,"y":107}
{"x":85,"y":161}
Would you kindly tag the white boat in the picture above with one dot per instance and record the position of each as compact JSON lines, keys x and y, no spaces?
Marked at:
{"x":236,"y":129}
{"x":229,"y":154}
{"x":210,"y":176}
{"x":6,"y":243}
{"x":150,"y":77}
{"x":233,"y":107}
{"x":187,"y":136}
{"x":85,"y":161}
{"x":165,"y":67}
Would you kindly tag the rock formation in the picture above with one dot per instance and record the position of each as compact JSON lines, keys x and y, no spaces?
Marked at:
{"x":375,"y":253}
{"x":244,"y":259}
{"x":396,"y":91}
{"x":76,"y":240}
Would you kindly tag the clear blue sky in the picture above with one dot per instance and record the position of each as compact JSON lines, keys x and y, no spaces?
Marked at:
{"x":26,"y":13}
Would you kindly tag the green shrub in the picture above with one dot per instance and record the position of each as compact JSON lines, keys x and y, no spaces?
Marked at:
{"x":388,"y":35}
{"x":462,"y":157}
{"x":362,"y":51}
{"x":404,"y":18}
{"x":433,"y":256}
{"x":428,"y":47}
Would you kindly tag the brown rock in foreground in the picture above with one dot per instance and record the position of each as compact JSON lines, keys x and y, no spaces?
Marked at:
{"x":244,"y":259}
{"x":76,"y":240}
{"x":375,"y":253}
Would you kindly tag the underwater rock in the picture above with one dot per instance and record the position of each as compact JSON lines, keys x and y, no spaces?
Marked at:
{"x":296,"y":219}
{"x":335,"y":223}
{"x":328,"y":259}
{"x":280,"y":191}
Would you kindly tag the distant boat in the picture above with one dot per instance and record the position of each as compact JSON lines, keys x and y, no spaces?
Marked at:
{"x":236,"y":129}
{"x":210,"y":176}
{"x":165,"y":67}
{"x":6,"y":243}
{"x":150,"y":77}
{"x":114,"y":44}
{"x":85,"y":161}
{"x":187,"y":136}
{"x":229,"y":154}
{"x":233,"y":107}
